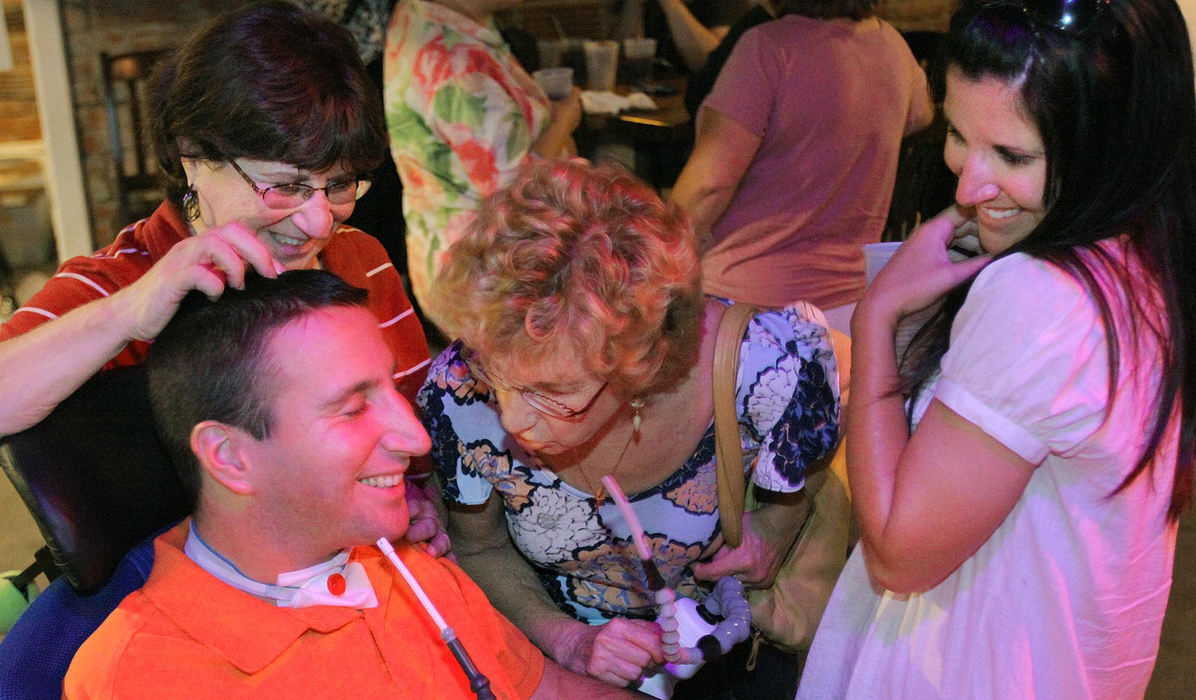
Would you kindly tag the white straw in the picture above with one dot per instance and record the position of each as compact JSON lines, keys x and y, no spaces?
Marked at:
{"x":389,"y":551}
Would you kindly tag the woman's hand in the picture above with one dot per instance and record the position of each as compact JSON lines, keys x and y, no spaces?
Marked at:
{"x":618,"y":652}
{"x":427,"y":522}
{"x":556,"y":140}
{"x":768,"y":534}
{"x":921,"y":270}
{"x":208,"y":262}
{"x":567,"y":110}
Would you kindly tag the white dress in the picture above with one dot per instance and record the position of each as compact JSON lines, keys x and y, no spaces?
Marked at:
{"x":1066,"y":598}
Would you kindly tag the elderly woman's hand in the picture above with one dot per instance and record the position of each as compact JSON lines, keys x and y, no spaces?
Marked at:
{"x":618,"y":652}
{"x":768,"y":534}
{"x":208,"y":262}
{"x":427,"y":522}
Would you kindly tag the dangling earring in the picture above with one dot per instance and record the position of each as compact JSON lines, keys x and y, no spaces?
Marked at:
{"x":190,"y":205}
{"x":636,"y":404}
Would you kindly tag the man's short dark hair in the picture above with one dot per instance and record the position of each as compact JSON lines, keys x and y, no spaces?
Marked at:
{"x":209,"y":361}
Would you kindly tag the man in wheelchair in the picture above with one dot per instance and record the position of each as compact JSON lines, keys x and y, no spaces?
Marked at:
{"x":278,"y":406}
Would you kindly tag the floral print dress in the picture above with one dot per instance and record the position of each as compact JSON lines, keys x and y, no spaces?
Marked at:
{"x":787,"y":401}
{"x":462,"y":116}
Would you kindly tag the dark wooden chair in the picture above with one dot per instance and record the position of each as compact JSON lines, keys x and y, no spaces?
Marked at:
{"x":125,"y":81}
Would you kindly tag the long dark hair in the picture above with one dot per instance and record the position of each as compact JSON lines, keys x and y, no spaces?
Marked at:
{"x":1116,"y":110}
{"x":269,"y":81}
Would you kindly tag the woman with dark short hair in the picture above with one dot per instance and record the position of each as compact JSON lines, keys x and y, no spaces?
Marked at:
{"x":267,"y":128}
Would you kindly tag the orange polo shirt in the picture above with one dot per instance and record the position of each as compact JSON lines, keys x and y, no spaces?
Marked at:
{"x":187,"y":634}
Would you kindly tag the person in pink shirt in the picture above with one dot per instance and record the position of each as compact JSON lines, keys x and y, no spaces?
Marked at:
{"x":796,"y":155}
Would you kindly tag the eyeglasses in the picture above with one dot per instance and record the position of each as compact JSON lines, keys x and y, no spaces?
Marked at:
{"x":293,"y":195}
{"x":1068,"y":17}
{"x":539,"y":402}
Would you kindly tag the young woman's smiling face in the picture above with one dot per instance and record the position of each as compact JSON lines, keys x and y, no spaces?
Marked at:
{"x":998,"y":156}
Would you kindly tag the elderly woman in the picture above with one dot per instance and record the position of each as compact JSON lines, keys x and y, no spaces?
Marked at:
{"x":267,"y":129}
{"x":585,"y":350}
{"x":464,"y":117}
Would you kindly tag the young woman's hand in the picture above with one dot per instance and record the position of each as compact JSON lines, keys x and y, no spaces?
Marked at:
{"x":922,"y":270}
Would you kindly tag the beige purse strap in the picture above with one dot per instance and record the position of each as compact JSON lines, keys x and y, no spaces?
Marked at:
{"x":728,"y":448}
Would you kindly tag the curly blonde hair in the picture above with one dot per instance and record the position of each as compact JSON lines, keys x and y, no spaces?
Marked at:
{"x":583,"y":255}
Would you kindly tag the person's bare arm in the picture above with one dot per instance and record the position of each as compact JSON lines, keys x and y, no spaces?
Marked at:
{"x":723,"y":150}
{"x":926,"y":502}
{"x":921,"y":109}
{"x":694,"y":41}
{"x":556,"y":141}
{"x":40,"y":368}
{"x":616,"y":653}
{"x":559,"y":682}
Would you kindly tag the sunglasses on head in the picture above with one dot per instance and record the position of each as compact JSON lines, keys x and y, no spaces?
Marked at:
{"x":1071,"y":17}
{"x":1068,"y":17}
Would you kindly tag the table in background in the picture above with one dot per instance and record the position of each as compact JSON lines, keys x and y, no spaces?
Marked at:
{"x":661,"y":138}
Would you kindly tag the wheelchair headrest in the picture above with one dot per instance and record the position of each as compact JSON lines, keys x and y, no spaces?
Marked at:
{"x":96,"y":476}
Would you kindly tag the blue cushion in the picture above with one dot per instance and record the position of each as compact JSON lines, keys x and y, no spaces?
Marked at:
{"x":37,"y":651}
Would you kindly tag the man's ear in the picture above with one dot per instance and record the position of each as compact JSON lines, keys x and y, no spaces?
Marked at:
{"x":217,"y":446}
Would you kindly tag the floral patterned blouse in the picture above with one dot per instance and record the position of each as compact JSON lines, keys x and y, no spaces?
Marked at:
{"x":787,"y":401}
{"x":462,"y":116}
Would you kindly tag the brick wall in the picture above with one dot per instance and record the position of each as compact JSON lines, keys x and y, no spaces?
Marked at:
{"x":18,"y":107}
{"x":92,"y":27}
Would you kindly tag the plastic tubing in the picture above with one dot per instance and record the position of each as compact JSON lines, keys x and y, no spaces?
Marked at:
{"x":478,"y":682}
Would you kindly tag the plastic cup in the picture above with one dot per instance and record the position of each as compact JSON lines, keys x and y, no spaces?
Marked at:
{"x":638,"y":55}
{"x":876,"y":255}
{"x":602,"y":64}
{"x":555,"y":82}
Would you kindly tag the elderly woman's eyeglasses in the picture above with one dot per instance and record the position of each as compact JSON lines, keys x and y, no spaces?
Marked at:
{"x":539,"y":402}
{"x":293,"y":195}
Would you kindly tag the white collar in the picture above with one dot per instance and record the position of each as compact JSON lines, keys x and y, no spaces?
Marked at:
{"x":294,"y":589}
